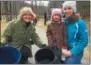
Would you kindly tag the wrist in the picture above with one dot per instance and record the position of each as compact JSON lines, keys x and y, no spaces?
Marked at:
{"x":69,"y":53}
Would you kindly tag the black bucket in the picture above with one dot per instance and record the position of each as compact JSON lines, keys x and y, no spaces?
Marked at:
{"x":48,"y":55}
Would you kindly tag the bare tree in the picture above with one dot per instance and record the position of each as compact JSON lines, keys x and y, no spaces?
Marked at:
{"x":32,"y":4}
{"x":10,"y":10}
{"x":0,"y":11}
{"x":6,"y":9}
{"x":55,"y":4}
{"x":84,"y":8}
{"x":36,"y":7}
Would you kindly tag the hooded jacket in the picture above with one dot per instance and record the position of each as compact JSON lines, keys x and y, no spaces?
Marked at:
{"x":17,"y":35}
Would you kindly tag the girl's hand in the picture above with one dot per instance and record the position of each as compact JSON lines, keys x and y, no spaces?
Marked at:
{"x":66,"y":53}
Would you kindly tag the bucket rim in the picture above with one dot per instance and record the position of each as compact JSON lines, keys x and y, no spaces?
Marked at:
{"x":15,"y":50}
{"x":48,"y":49}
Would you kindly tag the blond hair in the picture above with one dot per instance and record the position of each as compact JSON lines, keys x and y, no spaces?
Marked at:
{"x":24,"y":10}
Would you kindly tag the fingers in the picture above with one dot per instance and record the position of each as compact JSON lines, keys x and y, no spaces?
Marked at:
{"x":66,"y":53}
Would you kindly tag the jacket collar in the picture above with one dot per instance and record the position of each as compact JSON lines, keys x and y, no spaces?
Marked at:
{"x":23,"y":24}
{"x":56,"y":22}
{"x":72,"y":19}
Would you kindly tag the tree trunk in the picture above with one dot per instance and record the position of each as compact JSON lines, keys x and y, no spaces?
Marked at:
{"x":6,"y":9}
{"x":10,"y":11}
{"x":0,"y":12}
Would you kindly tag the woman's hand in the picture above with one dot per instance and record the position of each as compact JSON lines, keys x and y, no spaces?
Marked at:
{"x":66,"y":53}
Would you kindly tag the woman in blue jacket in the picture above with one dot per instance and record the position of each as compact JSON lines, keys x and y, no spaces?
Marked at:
{"x":77,"y":35}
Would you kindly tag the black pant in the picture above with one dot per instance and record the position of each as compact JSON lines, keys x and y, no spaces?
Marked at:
{"x":24,"y":60}
{"x":25,"y":52}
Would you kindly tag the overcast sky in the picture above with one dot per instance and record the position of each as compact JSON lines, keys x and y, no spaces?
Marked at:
{"x":45,"y":3}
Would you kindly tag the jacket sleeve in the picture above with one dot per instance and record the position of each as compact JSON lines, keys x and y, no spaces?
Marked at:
{"x":49,"y":36}
{"x":7,"y":35}
{"x":36,"y":39}
{"x":83,"y":39}
{"x":64,"y":35}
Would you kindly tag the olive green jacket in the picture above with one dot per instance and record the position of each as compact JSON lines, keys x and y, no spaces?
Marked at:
{"x":17,"y":35}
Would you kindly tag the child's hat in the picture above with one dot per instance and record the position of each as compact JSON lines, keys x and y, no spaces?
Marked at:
{"x":56,"y":11}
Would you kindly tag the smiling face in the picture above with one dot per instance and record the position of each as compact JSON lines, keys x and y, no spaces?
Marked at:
{"x":68,"y":11}
{"x":27,"y":17}
{"x":56,"y":17}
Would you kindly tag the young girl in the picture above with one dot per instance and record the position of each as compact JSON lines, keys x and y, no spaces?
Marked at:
{"x":56,"y":32}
